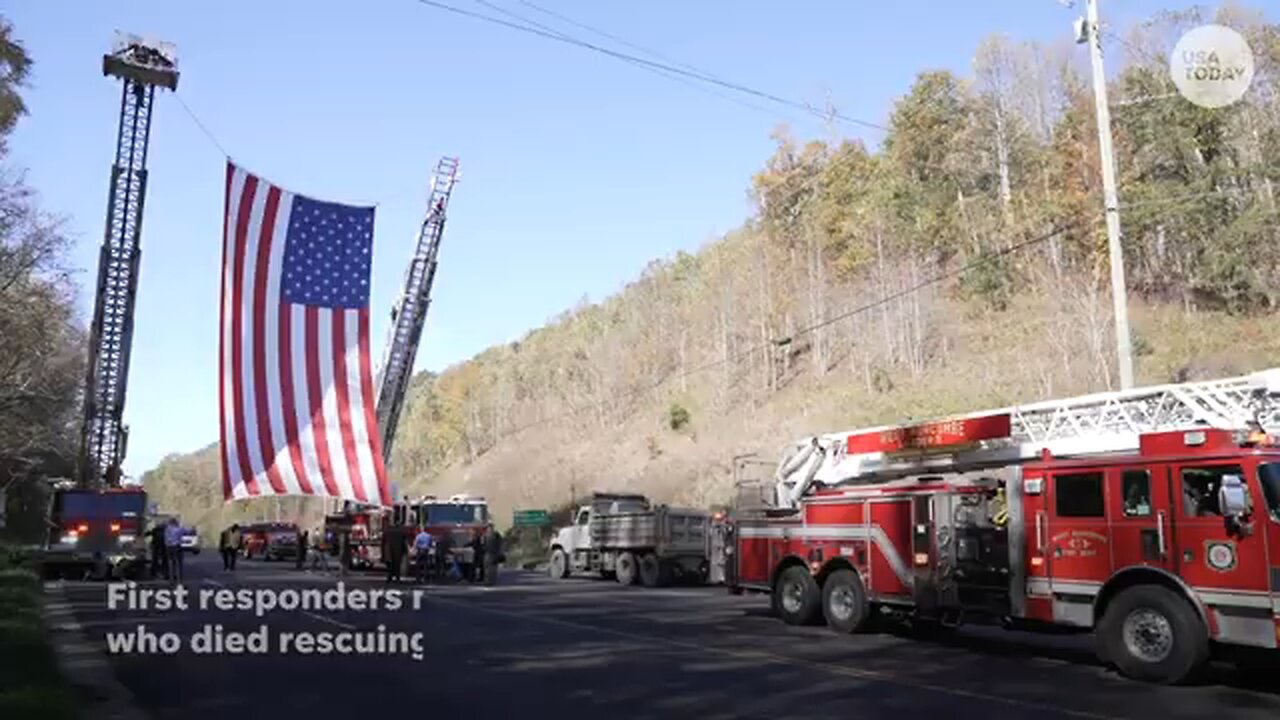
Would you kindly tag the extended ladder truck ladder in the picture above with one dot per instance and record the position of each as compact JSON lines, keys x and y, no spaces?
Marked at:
{"x":142,"y":66}
{"x":410,"y":311}
{"x":1109,"y":422}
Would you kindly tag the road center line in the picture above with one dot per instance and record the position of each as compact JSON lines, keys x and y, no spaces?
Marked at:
{"x":759,"y":655}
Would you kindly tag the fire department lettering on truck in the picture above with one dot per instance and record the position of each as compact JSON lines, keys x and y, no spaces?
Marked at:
{"x":1079,"y":543}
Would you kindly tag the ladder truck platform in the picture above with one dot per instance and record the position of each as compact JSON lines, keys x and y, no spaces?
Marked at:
{"x":1149,"y":517}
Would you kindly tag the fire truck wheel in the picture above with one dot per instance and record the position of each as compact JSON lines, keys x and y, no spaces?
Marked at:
{"x":797,"y":599}
{"x":844,"y":602}
{"x":559,"y":565}
{"x":626,"y":569}
{"x":1152,"y":634}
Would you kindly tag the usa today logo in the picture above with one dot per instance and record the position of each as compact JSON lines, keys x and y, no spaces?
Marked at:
{"x":1212,"y":66}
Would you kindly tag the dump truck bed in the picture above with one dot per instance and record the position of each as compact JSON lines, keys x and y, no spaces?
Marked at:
{"x":665,"y":530}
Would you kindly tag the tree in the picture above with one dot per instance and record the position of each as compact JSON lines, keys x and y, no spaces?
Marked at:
{"x":42,"y":351}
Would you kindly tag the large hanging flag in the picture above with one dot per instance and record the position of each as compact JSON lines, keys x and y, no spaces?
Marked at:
{"x":295,"y":380}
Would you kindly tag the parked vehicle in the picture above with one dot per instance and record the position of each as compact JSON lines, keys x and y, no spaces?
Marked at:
{"x":622,"y":536}
{"x":191,"y":541}
{"x":1150,"y":517}
{"x":96,"y":533}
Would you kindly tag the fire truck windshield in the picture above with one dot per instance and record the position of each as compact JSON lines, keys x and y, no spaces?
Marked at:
{"x":1269,"y":475}
{"x":89,"y":505}
{"x":445,"y":513}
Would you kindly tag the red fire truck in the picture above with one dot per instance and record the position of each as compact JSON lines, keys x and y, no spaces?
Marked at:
{"x":463,"y":517}
{"x":1150,"y":517}
{"x":100,"y":531}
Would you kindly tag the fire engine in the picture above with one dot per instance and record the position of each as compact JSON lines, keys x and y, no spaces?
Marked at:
{"x":463,"y":517}
{"x":1150,"y":517}
{"x":96,"y":531}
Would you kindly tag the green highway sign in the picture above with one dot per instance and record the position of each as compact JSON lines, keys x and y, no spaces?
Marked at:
{"x":531,"y":518}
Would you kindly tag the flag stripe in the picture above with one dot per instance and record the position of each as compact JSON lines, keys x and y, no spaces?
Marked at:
{"x":285,"y":456}
{"x":288,"y":400}
{"x":295,"y":382}
{"x":230,"y":383}
{"x":247,"y":196}
{"x":316,"y":402}
{"x":370,"y":418}
{"x":329,"y":403}
{"x":222,"y":326}
{"x":361,"y":430}
{"x":341,"y":383}
{"x":251,"y":448}
{"x":306,"y":435}
{"x":259,"y":358}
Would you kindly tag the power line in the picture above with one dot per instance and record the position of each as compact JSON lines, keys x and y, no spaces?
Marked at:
{"x":615,"y":38}
{"x":625,"y":57}
{"x":656,"y":71}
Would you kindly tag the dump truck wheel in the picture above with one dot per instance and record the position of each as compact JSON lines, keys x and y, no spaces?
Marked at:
{"x":559,"y":565}
{"x":650,"y":570}
{"x":626,"y":569}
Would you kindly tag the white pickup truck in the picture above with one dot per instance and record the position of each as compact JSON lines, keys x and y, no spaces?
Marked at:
{"x":622,"y":536}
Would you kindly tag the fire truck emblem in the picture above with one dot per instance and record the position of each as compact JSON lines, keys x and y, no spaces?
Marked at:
{"x":1220,"y":556}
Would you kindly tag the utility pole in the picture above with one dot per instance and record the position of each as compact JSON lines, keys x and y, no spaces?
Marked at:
{"x":1088,"y":32}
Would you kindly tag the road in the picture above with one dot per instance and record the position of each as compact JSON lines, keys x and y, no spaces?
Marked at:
{"x":586,"y":649}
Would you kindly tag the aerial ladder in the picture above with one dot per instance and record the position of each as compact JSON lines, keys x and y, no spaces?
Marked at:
{"x":410,"y":313}
{"x":1101,"y":423}
{"x":142,"y":66}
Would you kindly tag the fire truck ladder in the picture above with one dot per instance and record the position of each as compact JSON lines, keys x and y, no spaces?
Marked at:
{"x":410,"y":311}
{"x":1086,"y":425}
{"x":142,"y":66}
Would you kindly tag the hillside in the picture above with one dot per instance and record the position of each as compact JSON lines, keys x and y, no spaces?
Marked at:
{"x":959,"y":265}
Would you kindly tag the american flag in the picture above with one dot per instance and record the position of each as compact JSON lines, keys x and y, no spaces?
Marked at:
{"x":295,"y":380}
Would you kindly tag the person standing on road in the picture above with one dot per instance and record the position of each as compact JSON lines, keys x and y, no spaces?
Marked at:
{"x":422,"y":554}
{"x":159,"y":560}
{"x":173,"y":548}
{"x":493,"y":555}
{"x":302,"y":548}
{"x":477,"y":552}
{"x":445,"y":562}
{"x":396,"y":547}
{"x":319,"y":552}
{"x":225,"y":548}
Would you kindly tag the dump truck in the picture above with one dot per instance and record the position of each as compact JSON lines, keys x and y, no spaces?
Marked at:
{"x":625,"y":537}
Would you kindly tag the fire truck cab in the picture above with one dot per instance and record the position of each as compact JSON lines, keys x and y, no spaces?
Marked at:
{"x":1166,"y":550}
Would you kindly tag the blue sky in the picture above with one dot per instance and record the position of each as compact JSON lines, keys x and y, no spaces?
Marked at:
{"x":577,"y":169}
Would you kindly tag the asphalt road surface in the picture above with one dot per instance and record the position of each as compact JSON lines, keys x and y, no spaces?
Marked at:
{"x":530,"y":647}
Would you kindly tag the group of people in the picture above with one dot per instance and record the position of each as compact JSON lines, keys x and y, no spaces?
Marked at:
{"x":428,"y":557}
{"x":166,"y":550}
{"x":431,"y":557}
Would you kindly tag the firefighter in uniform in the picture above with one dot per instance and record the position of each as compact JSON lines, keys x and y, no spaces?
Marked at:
{"x":493,"y":555}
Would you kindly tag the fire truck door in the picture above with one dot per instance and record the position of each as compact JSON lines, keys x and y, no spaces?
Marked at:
{"x":1078,"y":550}
{"x":1140,"y":507}
{"x":1225,"y":562}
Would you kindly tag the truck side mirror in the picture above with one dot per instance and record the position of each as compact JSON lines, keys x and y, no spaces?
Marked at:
{"x":1233,"y":499}
{"x":1233,"y":502}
